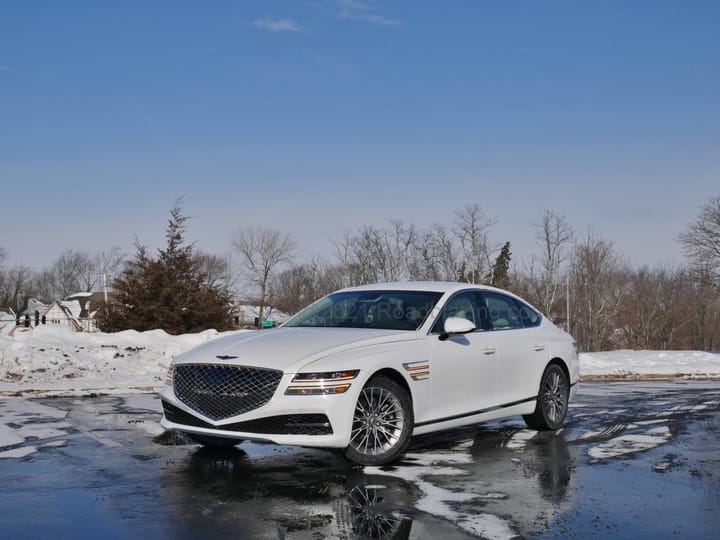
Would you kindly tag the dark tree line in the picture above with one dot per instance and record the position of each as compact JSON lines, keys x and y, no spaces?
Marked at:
{"x":581,"y":282}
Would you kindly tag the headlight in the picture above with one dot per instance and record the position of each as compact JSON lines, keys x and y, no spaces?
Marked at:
{"x":321,"y":383}
{"x":169,"y":376}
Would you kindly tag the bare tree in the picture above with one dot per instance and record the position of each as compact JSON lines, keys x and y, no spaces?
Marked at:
{"x":545,"y":273}
{"x":598,"y":277}
{"x":423,"y":264}
{"x":217,"y":270}
{"x":108,"y":265}
{"x":652,"y":311}
{"x":471,"y":230}
{"x":436,"y":255}
{"x":701,"y":240}
{"x":262,"y":251}
{"x":16,"y":286}
{"x":376,"y":254}
{"x":300,"y":285}
{"x":72,"y":272}
{"x":701,"y":303}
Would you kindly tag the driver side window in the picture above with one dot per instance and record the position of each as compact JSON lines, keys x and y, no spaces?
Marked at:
{"x":464,"y":306}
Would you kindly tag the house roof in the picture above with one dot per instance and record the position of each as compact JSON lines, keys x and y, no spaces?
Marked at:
{"x":33,"y":305}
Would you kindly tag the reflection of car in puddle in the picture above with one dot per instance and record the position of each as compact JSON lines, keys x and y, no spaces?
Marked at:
{"x":544,"y":457}
{"x":502,"y":478}
{"x":372,"y":516}
{"x":534,"y":472}
{"x":288,"y":492}
{"x":516,"y":477}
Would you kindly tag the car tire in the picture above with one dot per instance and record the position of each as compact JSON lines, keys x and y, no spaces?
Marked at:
{"x":210,"y":441}
{"x":552,"y":402}
{"x":382,"y":423}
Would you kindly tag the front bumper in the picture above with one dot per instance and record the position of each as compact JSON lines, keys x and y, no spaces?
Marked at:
{"x":314,"y":421}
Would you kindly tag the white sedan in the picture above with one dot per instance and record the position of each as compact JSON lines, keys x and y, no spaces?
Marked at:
{"x":366,"y":368}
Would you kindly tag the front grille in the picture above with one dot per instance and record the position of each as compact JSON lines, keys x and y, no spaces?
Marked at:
{"x":285,"y":424}
{"x":219,"y":391}
{"x":178,"y":416}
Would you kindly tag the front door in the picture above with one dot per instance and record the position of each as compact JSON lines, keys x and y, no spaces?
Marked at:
{"x":464,"y":366}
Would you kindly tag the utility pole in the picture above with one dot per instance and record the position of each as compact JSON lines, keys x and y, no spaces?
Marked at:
{"x":567,"y":304}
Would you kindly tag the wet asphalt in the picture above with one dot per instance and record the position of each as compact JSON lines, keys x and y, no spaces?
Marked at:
{"x":635,"y":460}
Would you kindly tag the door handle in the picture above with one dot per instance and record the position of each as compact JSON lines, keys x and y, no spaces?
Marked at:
{"x":489,"y":350}
{"x":539,"y":347}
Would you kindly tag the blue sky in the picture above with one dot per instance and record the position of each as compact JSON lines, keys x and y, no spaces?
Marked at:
{"x":315,"y":117}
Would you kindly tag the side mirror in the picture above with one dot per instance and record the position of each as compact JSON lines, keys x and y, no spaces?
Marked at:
{"x":456,"y":325}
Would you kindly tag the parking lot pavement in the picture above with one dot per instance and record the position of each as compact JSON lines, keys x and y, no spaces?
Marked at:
{"x":636,"y":460}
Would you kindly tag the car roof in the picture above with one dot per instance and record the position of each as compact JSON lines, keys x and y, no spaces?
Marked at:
{"x":425,"y":286}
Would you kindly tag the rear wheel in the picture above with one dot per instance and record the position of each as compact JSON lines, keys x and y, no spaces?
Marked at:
{"x":552,"y":402}
{"x":210,"y":441}
{"x":382,"y":423}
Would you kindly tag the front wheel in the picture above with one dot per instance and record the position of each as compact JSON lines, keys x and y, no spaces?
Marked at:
{"x":382,"y":423}
{"x":552,"y":401}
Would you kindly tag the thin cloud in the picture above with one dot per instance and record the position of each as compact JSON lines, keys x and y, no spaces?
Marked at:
{"x":278,"y":25}
{"x":375,"y":19}
{"x":353,"y":4}
{"x":362,"y":12}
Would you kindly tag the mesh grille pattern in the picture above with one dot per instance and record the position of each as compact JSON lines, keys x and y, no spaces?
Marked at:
{"x":219,"y":391}
{"x":286,"y":424}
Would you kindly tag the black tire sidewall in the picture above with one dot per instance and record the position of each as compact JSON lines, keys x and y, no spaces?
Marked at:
{"x":550,"y":369}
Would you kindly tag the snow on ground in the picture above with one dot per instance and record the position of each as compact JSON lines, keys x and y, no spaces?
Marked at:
{"x":649,"y":364}
{"x":53,"y":360}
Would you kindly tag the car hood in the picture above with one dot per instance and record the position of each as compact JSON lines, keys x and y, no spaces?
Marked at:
{"x":288,"y":349}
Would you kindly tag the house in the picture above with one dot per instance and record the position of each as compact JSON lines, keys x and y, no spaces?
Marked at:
{"x":246,"y":316}
{"x":28,"y":318}
{"x":76,"y":311}
{"x":7,"y":321}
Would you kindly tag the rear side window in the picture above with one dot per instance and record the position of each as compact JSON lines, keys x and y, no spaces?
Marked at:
{"x":529,"y":316}
{"x":502,"y":312}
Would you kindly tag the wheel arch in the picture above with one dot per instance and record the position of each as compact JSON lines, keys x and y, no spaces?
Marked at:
{"x":557,"y":361}
{"x":395,"y":376}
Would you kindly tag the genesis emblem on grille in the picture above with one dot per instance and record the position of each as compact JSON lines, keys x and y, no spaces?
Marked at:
{"x":225,"y":357}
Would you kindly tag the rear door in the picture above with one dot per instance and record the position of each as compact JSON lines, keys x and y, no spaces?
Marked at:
{"x":521,"y":351}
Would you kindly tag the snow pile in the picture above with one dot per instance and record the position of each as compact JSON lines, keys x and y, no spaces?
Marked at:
{"x":628,"y":364}
{"x":53,"y":360}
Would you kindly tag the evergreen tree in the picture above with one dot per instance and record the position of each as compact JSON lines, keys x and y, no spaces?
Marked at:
{"x":170,"y":292}
{"x":499,"y":276}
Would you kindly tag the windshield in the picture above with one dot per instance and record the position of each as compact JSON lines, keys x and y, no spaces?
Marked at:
{"x":387,"y":310}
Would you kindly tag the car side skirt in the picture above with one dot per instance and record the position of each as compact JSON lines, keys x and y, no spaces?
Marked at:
{"x":523,"y":406}
{"x":520,"y":407}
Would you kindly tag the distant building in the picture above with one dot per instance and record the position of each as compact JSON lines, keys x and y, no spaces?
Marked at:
{"x":77,"y":311}
{"x":246,"y":315}
{"x":28,"y":318}
{"x":7,"y":321}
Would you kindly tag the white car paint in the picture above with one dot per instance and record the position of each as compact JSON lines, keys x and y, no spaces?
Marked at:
{"x":452,"y":380}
